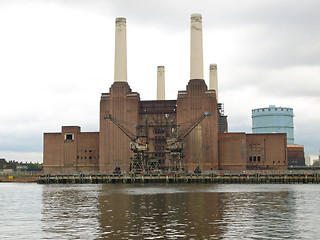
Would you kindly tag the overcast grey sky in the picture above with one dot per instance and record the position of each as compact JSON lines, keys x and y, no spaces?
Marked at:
{"x":56,"y":58}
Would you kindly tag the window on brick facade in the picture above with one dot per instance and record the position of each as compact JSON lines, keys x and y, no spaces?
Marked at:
{"x":68,"y":136}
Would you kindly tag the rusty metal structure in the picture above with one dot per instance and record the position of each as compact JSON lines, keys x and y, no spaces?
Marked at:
{"x":141,"y":162}
{"x":138,"y":145}
{"x":223,"y":120}
{"x":175,"y":143}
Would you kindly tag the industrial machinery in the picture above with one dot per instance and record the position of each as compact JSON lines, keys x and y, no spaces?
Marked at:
{"x":138,"y":144}
{"x":175,"y":143}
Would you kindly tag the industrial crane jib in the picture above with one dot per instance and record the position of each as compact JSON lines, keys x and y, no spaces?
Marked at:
{"x":176,"y":143}
{"x":138,"y":143}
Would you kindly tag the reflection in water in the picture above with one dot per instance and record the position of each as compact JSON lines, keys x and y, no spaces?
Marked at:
{"x":194,"y":211}
{"x":167,"y":212}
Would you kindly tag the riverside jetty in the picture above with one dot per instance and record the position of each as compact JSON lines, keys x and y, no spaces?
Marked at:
{"x":214,"y":177}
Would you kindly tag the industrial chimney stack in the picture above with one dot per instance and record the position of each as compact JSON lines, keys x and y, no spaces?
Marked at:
{"x":120,"y":60}
{"x":213,"y":78}
{"x":196,"y":51}
{"x":160,"y":83}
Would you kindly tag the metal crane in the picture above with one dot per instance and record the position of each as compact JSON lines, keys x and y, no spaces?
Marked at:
{"x":138,"y":144}
{"x":175,"y":144}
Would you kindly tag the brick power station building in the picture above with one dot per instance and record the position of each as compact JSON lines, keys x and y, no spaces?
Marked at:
{"x":189,"y":133}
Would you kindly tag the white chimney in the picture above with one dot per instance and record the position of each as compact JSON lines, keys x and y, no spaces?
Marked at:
{"x":120,"y":59}
{"x":160,"y":83}
{"x":213,"y":78}
{"x":196,"y":51}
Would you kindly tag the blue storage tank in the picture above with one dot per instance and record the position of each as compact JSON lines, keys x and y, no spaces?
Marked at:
{"x":273,"y":119}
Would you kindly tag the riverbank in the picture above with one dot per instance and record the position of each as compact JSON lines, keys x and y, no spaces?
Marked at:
{"x":19,"y":179}
{"x":22,"y":177}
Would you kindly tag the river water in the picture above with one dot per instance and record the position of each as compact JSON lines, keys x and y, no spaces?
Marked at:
{"x":160,"y":211}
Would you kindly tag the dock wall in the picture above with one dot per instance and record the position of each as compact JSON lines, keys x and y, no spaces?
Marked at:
{"x":253,"y":177}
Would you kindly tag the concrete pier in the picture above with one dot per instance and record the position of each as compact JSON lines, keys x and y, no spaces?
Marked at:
{"x":215,"y":177}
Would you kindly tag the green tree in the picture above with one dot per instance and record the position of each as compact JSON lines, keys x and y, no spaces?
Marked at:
{"x":316,"y":163}
{"x":33,"y":166}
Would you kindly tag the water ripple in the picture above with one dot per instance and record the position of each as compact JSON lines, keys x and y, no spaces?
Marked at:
{"x":31,"y":211}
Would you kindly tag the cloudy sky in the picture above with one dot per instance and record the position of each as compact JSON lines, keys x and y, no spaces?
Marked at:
{"x":56,"y":58}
